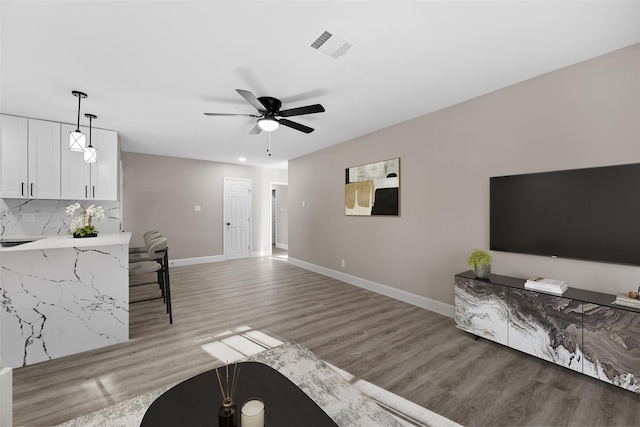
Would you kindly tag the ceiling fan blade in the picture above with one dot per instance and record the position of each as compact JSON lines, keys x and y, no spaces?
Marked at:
{"x":256,"y":130}
{"x":251,"y":98}
{"x":309,"y":109}
{"x":230,"y":114}
{"x":296,"y":126}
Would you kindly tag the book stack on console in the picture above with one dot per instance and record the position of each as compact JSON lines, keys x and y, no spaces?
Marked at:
{"x":557,"y":287}
{"x":626,"y":301}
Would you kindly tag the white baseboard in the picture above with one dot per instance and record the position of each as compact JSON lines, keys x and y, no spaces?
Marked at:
{"x":413,"y":299}
{"x":208,"y":259}
{"x":259,"y":254}
{"x":199,"y":260}
{"x":282,"y":246}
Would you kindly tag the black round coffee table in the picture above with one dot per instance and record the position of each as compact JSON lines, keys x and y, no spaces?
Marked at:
{"x":195,"y":402}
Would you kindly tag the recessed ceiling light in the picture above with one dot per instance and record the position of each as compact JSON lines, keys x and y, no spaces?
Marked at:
{"x":242,"y":159}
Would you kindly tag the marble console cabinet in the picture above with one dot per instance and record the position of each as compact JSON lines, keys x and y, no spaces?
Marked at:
{"x":580,"y":330}
{"x":62,"y":296}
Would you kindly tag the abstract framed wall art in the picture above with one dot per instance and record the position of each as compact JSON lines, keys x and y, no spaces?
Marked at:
{"x":373,"y":189}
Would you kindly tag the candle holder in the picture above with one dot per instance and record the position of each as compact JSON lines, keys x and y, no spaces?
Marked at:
{"x":252,"y":413}
{"x":228,"y":412}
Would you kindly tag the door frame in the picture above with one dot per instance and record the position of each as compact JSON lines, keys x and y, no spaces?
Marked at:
{"x":224,"y":214}
{"x":273,"y":215}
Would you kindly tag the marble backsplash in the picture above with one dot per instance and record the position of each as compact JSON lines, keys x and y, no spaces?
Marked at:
{"x":50,"y":217}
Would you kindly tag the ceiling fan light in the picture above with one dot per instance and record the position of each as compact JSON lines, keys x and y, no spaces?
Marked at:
{"x":268,"y":124}
{"x":77,"y":140}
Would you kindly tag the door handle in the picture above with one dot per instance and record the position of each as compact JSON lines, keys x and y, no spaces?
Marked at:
{"x":22,"y":189}
{"x":228,"y":223}
{"x":31,"y":189}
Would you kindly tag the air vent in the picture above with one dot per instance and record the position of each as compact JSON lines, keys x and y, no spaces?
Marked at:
{"x":331,"y":44}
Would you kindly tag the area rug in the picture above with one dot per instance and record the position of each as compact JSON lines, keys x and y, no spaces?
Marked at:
{"x":345,"y":404}
{"x":349,"y":402}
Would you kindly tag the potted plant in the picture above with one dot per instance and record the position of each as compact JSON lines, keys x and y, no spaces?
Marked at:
{"x":480,"y":263}
{"x":81,"y":225}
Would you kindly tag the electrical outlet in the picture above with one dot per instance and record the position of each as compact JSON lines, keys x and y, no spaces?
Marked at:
{"x":197,"y":208}
{"x":343,"y":263}
{"x":29,"y":217}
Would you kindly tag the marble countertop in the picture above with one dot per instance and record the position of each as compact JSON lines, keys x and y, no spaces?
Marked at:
{"x":68,"y":241}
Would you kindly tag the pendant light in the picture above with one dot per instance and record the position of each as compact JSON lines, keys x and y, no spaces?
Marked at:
{"x":90,"y":153}
{"x":77,"y":138}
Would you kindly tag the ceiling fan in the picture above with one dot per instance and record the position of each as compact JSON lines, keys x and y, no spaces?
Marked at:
{"x":269,"y":109}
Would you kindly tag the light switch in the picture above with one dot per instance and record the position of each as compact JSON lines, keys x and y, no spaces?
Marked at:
{"x":304,"y":204}
{"x":197,"y":208}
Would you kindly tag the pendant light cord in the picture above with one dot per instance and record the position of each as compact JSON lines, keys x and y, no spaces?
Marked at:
{"x":79,"y":99}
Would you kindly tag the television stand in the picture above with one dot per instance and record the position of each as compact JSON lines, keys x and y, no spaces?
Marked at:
{"x":580,"y":330}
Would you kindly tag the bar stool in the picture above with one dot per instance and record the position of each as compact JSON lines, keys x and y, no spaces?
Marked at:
{"x":146,"y":236}
{"x":159,"y":253}
{"x":142,"y":253}
{"x":150,"y":237}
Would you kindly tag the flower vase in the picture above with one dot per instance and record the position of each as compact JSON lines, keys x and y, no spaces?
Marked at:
{"x":482,"y":271}
{"x":228,"y":414}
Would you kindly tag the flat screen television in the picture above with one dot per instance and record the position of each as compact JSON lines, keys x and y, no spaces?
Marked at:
{"x":589,"y":214}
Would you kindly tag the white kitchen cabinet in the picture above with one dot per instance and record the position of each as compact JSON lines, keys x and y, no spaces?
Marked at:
{"x":91,"y":181}
{"x":104,"y":173}
{"x":30,"y":158}
{"x":13,"y":153}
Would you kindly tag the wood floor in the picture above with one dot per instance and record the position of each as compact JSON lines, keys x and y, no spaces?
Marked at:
{"x":412,"y":352}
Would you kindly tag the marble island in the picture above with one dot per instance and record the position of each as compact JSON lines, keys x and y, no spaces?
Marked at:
{"x":62,"y":296}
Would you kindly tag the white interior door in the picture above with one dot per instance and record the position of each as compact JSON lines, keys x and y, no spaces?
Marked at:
{"x":237,"y":218}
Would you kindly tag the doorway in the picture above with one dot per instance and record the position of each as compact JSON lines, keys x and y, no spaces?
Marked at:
{"x":279,"y":218}
{"x":237,"y":218}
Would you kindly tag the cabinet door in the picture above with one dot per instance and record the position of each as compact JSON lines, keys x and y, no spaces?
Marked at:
{"x":612,"y":345}
{"x":546,"y":326}
{"x":75,"y":172}
{"x":13,"y":157}
{"x":44,"y":160}
{"x":481,"y":309}
{"x":104,"y":172}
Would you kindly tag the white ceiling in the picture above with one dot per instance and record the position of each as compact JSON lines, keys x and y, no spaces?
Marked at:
{"x":151,"y":69}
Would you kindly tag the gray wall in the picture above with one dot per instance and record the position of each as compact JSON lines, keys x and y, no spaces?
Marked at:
{"x":580,"y":116}
{"x":161,"y":192}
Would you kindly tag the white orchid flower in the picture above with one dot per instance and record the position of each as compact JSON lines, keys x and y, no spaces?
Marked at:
{"x":82,"y":223}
